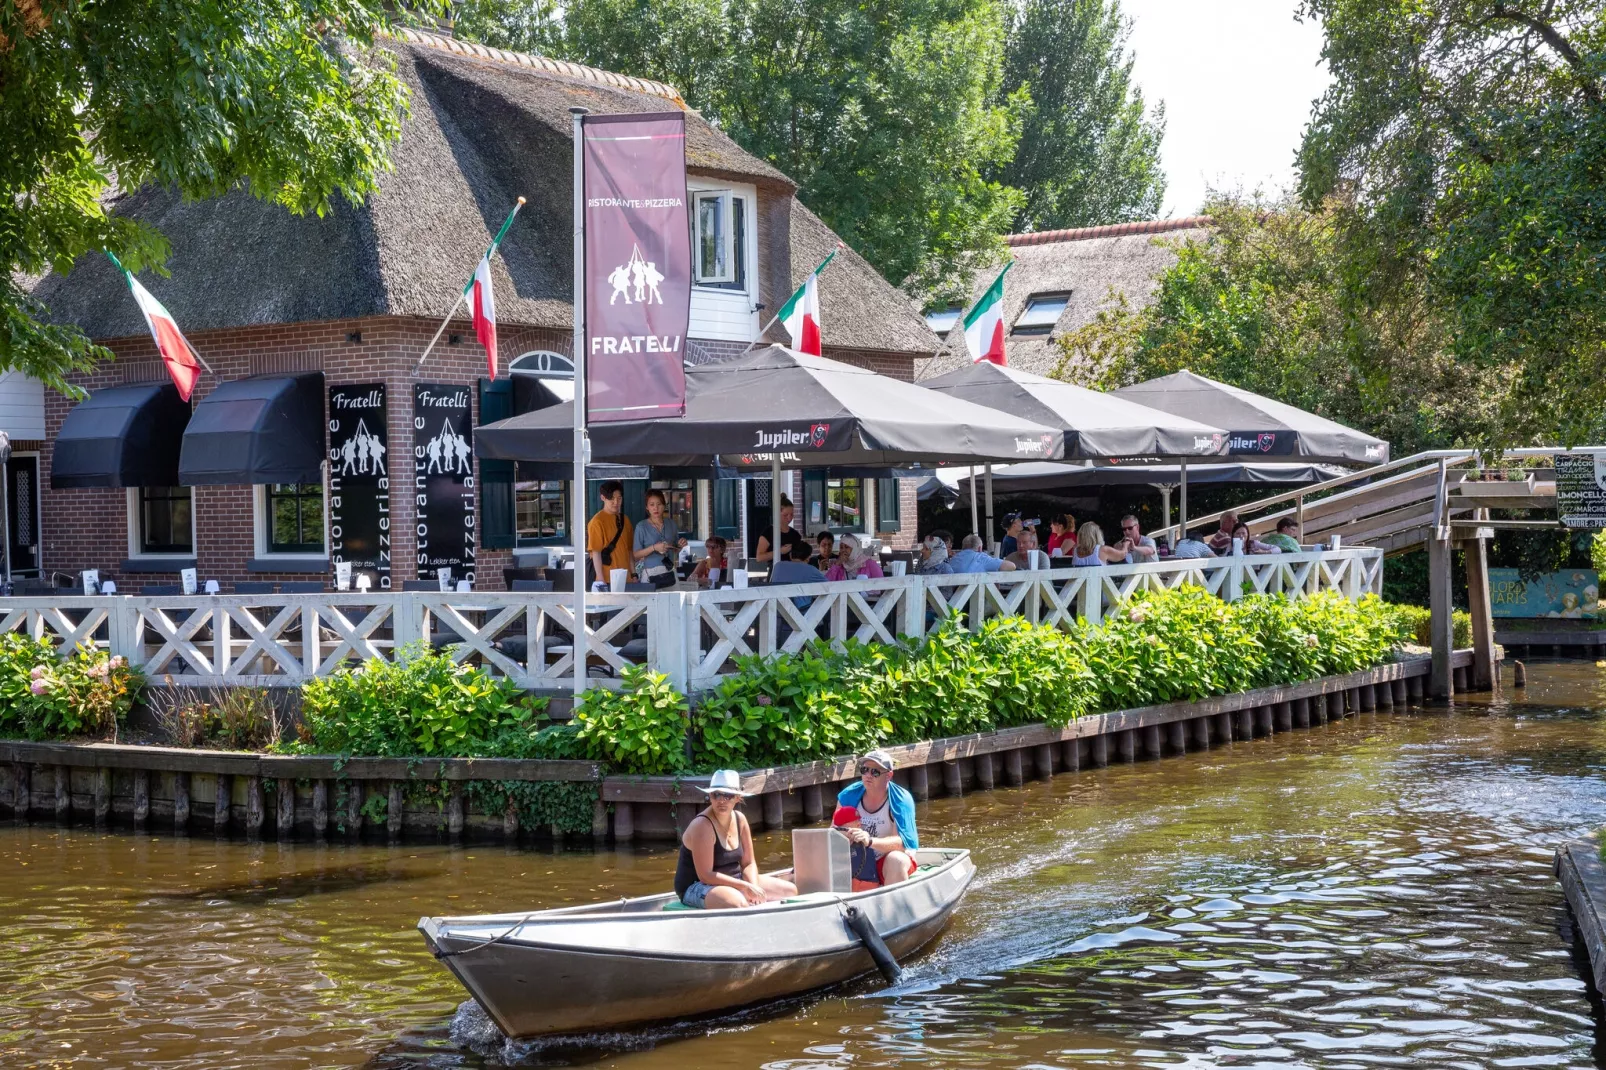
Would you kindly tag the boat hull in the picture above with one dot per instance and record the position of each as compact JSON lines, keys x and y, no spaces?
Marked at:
{"x":561,"y":972}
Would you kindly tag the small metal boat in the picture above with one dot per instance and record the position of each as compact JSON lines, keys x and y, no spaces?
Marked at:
{"x":606,"y":965}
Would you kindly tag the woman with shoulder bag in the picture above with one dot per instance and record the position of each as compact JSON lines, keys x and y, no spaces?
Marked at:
{"x":655,"y":540}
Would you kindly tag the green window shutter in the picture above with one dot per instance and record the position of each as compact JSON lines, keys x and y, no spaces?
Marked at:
{"x":813,"y":514}
{"x":496,"y":519}
{"x":726,"y":523}
{"x":887,"y":518}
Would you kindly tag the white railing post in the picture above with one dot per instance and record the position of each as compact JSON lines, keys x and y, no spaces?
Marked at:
{"x":120,"y":620}
{"x":1092,"y":598}
{"x":311,"y":640}
{"x":912,"y":613}
{"x":1352,"y":576}
{"x":405,"y":620}
{"x":667,"y":626}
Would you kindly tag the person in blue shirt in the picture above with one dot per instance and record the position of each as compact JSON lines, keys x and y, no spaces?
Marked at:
{"x":972,"y":558}
{"x":886,"y":817}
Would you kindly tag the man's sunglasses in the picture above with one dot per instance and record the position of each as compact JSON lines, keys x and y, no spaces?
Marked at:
{"x":872,"y":771}
{"x":722,"y":795}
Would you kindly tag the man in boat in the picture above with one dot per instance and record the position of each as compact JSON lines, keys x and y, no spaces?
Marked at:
{"x":886,"y":817}
{"x":717,"y":869}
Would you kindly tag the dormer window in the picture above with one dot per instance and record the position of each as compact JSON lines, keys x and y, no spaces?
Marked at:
{"x":1041,"y":313}
{"x":718,"y":241}
{"x":942,"y":320}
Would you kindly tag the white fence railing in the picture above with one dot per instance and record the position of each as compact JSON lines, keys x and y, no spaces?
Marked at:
{"x":693,"y":636}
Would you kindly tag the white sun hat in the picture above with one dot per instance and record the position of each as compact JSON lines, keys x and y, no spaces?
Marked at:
{"x":725,"y":780}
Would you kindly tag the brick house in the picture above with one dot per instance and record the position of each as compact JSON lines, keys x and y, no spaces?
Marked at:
{"x":281,"y":307}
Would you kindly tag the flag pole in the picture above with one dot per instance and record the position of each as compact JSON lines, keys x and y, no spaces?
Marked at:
{"x":764,"y":329}
{"x":489,"y":252}
{"x":128,"y":277}
{"x":582,"y":446}
{"x":948,"y":341}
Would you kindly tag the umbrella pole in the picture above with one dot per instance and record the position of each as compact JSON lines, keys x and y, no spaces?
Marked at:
{"x":775,"y":514}
{"x":1182,"y":527}
{"x":987,"y":540}
{"x":975,"y":521}
{"x":1165,"y":505}
{"x":577,"y":489}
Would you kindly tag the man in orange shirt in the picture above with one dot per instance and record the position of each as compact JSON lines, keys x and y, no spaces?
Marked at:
{"x":609,"y":534}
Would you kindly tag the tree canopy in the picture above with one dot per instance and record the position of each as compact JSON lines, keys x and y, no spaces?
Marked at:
{"x":286,"y":99}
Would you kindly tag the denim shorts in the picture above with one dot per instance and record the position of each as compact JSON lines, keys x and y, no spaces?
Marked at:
{"x":696,"y":894}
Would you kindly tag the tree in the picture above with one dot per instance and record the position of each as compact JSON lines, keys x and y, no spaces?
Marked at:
{"x":289,"y":100}
{"x":1089,"y":152}
{"x":1468,"y":138}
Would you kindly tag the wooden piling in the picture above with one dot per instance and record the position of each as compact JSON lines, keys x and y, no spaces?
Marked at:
{"x":181,"y":804}
{"x":1519,"y":674}
{"x":1440,"y":627}
{"x":1245,"y":728}
{"x":222,"y":804}
{"x":284,"y":822}
{"x":1480,"y":607}
{"x":454,"y":812}
{"x":1459,"y":676}
{"x":394,"y":810}
{"x":1413,"y":688}
{"x":1398,"y":689}
{"x":142,"y":798}
{"x":919,"y":784}
{"x":1263,"y":721}
{"x":103,"y":797}
{"x":22,"y":795}
{"x":63,"y":794}
{"x":624,"y":822}
{"x":1383,"y":695}
{"x":813,"y":804}
{"x":1126,"y":745}
{"x":1177,"y":737}
{"x":599,"y":821}
{"x":1014,"y":771}
{"x":1043,"y":761}
{"x":1301,"y":709}
{"x":1223,"y":728}
{"x":1071,"y":754}
{"x":1151,"y":742}
{"x":953,"y":779}
{"x":774,"y":811}
{"x":984,"y":772}
{"x":1368,"y":698}
{"x":320,"y":809}
{"x":1283,"y":717}
{"x":254,"y":810}
{"x":1201,"y":733}
{"x":355,"y":797}
{"x":510,"y":822}
{"x":1099,"y":750}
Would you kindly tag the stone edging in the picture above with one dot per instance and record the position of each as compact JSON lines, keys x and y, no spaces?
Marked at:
{"x":1583,"y":879}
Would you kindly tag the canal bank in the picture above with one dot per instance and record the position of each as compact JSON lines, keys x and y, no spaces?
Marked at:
{"x":1377,"y":887}
{"x":402,"y":800}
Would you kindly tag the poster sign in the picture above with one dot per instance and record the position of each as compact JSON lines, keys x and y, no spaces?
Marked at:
{"x":637,"y":265}
{"x":359,"y":483}
{"x":1570,"y":595}
{"x":443,"y":478}
{"x":1581,"y":489}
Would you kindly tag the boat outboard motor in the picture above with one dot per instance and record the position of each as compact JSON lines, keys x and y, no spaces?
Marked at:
{"x":864,"y":929}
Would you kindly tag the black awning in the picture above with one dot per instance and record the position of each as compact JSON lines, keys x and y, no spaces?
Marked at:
{"x":123,"y":436}
{"x":266,"y":429}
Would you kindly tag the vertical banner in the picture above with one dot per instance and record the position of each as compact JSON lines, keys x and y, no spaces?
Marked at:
{"x":359,"y":481}
{"x":637,"y":266}
{"x":443,"y":478}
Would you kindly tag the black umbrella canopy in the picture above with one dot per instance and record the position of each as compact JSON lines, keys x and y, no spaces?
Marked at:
{"x":812,"y":412}
{"x":1050,"y":476}
{"x":1257,"y":425}
{"x":1096,"y":425}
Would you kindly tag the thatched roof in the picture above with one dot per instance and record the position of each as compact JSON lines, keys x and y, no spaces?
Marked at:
{"x":486,"y":126}
{"x":1095,"y":264}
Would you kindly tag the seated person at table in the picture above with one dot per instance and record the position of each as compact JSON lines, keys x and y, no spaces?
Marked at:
{"x":796,"y":569}
{"x":1090,"y":548}
{"x":716,"y":869}
{"x":972,"y":558}
{"x":1025,"y":543}
{"x":824,"y":550}
{"x":1061,"y":535}
{"x":1141,"y":548}
{"x":935,"y":552}
{"x":713,"y":568}
{"x":1221,"y":541}
{"x":1252,"y":545}
{"x":1287,"y":537}
{"x":854,"y":562}
{"x":886,"y":817}
{"x":1188,"y":546}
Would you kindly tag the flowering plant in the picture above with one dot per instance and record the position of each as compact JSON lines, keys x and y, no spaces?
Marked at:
{"x":45,"y":696}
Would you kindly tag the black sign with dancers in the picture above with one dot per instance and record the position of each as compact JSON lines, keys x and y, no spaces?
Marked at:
{"x":359,"y":482}
{"x":443,"y":478}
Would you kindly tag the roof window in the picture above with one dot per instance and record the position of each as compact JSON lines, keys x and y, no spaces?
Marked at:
{"x":1041,"y":313}
{"x":941,"y":320}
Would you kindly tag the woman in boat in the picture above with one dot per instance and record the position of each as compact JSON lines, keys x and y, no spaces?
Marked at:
{"x":717,"y":870}
{"x":886,"y":817}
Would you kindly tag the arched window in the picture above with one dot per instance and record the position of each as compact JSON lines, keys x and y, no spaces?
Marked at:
{"x":543,"y":364}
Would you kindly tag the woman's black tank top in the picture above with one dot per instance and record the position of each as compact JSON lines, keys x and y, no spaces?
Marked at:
{"x":727,"y":860}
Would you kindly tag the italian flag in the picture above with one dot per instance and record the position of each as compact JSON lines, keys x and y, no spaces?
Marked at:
{"x":183,"y":364}
{"x":984,"y":323}
{"x":484,"y":305}
{"x":801,"y":314}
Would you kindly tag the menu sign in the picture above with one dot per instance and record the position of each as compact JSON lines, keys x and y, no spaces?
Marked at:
{"x":1581,"y":489}
{"x":359,"y":482}
{"x":443,"y":478}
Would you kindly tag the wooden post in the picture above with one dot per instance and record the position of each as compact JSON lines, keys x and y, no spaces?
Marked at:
{"x":1245,"y":728}
{"x":984,"y":772}
{"x":63,"y":794}
{"x":953,"y":779}
{"x":320,"y":809}
{"x":1126,"y":745}
{"x":393,"y":811}
{"x":1264,"y":721}
{"x":142,"y":798}
{"x":813,"y":804}
{"x":1368,"y":698}
{"x":1478,"y":603}
{"x":510,"y":822}
{"x":1098,"y":749}
{"x":1383,"y":695}
{"x":222,"y":804}
{"x":255,"y":812}
{"x":1014,"y":773}
{"x":284,"y":824}
{"x":919,"y":784}
{"x":1071,"y":755}
{"x":1201,"y":733}
{"x":1177,"y":731}
{"x":1301,"y":713}
{"x":356,"y":790}
{"x":103,"y":797}
{"x":454,"y":812}
{"x":599,"y":821}
{"x":22,"y":796}
{"x":1459,"y":676}
{"x":1151,"y":742}
{"x":1398,"y":687}
{"x":1285,"y":716}
{"x":624,"y":822}
{"x":683,"y":812}
{"x":181,"y":804}
{"x":1413,"y":689}
{"x":1440,"y":626}
{"x":774,"y":811}
{"x":1043,"y":761}
{"x":1223,"y":728}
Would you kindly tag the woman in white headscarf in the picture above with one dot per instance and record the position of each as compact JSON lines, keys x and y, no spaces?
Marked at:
{"x":936,"y":560}
{"x":853,"y":562}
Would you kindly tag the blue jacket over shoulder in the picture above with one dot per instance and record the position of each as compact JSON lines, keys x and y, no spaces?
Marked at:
{"x":903,"y":809}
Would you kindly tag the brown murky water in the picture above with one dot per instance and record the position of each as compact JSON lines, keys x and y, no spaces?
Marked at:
{"x":1377,"y":892}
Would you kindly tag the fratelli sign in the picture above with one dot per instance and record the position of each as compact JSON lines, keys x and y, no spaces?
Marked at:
{"x":359,"y":481}
{"x":443,"y":478}
{"x":637,"y":265}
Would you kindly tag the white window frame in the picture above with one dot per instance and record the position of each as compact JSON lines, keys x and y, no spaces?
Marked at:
{"x":954,"y":313}
{"x":1045,"y":297}
{"x":259,"y":527}
{"x":724,"y":196}
{"x":134,"y":541}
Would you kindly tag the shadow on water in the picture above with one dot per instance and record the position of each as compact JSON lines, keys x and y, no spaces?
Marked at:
{"x":299,"y":885}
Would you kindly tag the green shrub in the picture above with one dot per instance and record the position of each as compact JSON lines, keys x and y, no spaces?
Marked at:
{"x":639,"y":728}
{"x":424,"y":705}
{"x":1417,"y":622}
{"x":1597,"y":552}
{"x":44,"y":696}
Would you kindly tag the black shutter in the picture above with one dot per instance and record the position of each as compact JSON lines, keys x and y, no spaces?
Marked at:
{"x":498,"y":530}
{"x":888,"y":517}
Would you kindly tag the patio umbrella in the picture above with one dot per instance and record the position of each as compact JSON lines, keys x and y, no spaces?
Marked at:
{"x":1096,"y":425}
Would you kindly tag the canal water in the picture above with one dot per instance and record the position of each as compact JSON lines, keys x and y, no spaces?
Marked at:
{"x":1377,"y":892}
